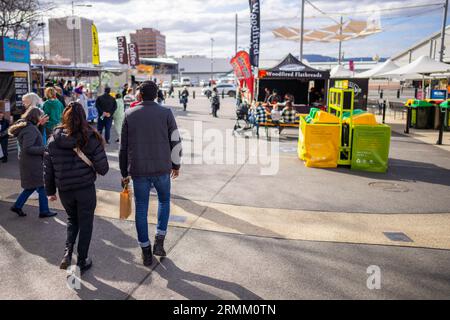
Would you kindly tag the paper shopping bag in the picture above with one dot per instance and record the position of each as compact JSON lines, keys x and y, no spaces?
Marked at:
{"x":125,"y":203}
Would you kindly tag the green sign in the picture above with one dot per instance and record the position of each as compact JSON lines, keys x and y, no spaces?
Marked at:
{"x":370,"y":151}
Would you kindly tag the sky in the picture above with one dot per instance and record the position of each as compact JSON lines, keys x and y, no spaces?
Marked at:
{"x":189,"y":25}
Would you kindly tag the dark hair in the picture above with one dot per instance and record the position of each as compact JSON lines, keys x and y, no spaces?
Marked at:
{"x":32,"y":115}
{"x":118,"y":96}
{"x":107,"y":90}
{"x":75,"y":124}
{"x":148,"y":90}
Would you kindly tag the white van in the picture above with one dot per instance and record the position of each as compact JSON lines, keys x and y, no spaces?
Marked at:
{"x":185,"y":82}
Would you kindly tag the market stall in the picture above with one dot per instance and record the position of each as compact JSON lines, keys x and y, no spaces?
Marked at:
{"x":291,"y":76}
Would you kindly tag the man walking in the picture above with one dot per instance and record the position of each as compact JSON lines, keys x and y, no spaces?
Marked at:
{"x":106,"y":106}
{"x":150,"y":152}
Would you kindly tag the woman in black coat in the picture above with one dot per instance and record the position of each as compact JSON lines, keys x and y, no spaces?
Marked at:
{"x":4,"y":126}
{"x":74,"y":156}
{"x":31,"y":152}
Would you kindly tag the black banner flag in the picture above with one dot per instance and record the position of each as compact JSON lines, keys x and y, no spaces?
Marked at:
{"x":255,"y":33}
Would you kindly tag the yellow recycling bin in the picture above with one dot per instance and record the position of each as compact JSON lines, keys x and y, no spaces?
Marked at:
{"x":318,"y":144}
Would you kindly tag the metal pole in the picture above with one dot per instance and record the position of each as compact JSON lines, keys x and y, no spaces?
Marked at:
{"x":302,"y":29}
{"x":444,"y":25}
{"x":340,"y":41}
{"x":74,"y":37}
{"x":236,"y":35}
{"x":212,"y":60}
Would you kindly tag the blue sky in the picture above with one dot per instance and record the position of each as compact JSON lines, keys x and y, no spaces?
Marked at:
{"x":190,"y":24}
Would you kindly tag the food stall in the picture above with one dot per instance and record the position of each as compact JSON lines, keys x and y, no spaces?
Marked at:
{"x":293,"y":77}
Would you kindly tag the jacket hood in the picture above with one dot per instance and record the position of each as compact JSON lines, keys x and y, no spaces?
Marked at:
{"x":64,"y":141}
{"x":16,"y":128}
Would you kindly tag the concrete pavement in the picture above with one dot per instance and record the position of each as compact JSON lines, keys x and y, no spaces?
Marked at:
{"x":302,"y":233}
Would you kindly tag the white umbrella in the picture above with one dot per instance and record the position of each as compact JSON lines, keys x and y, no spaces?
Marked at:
{"x":379,"y":70}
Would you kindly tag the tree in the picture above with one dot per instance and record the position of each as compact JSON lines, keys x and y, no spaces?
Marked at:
{"x":19,"y":18}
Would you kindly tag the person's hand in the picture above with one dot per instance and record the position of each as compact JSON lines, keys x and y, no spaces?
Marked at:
{"x":43,"y":120}
{"x":125,"y":181}
{"x":175,"y":174}
{"x":52,"y":198}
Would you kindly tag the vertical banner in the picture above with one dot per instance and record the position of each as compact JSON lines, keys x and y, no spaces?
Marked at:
{"x":122,"y":49}
{"x":255,"y":33}
{"x":134,"y":54}
{"x":243,"y":69}
{"x":351,"y":65}
{"x":95,"y":46}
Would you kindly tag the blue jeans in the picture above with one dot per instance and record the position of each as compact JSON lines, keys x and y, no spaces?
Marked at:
{"x":106,"y":124}
{"x":142,"y":187}
{"x":26,"y":193}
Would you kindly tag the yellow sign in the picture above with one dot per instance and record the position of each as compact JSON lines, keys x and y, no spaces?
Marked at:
{"x":142,"y":68}
{"x":20,"y":75}
{"x":95,"y":46}
{"x":342,"y":84}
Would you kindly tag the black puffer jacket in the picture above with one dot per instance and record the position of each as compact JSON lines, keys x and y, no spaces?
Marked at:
{"x":63,"y":168}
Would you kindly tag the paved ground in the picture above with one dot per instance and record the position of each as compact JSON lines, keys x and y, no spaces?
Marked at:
{"x":302,"y":233}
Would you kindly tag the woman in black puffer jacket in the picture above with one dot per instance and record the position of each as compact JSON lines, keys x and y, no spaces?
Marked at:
{"x":74,"y":156}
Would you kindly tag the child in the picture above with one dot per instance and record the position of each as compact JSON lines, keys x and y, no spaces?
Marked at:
{"x":276,"y":116}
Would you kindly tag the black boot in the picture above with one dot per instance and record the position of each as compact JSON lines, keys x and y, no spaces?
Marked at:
{"x":19,"y":212}
{"x":84,"y":265}
{"x":147,"y":257}
{"x":158,"y":247}
{"x":67,"y":259}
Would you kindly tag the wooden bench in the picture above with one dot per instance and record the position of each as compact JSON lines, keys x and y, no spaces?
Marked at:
{"x":268,"y":125}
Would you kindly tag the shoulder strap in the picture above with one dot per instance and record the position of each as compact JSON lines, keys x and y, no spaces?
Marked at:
{"x":83,"y":157}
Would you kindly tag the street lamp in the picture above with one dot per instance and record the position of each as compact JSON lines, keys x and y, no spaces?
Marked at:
{"x":42,"y":26}
{"x":73,"y":30}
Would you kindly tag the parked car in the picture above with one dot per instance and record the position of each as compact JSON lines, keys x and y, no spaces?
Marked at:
{"x":176,"y":83}
{"x":227,"y":89}
{"x":166,"y":85}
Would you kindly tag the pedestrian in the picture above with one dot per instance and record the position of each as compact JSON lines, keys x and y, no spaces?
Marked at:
{"x":161,"y":99}
{"x":125,"y":90}
{"x":128,"y":99}
{"x":184,"y":98}
{"x":4,"y":126}
{"x":150,"y":150}
{"x":215,"y":102}
{"x":106,"y":106}
{"x":138,"y":100}
{"x":171,"y":91}
{"x":119,"y":115}
{"x":31,"y":154}
{"x":32,"y":100}
{"x":81,"y":98}
{"x":53,"y":108}
{"x":74,"y":156}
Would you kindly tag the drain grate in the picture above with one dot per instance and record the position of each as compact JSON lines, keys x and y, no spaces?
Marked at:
{"x":397,"y":237}
{"x":181,"y":219}
{"x":389,"y":186}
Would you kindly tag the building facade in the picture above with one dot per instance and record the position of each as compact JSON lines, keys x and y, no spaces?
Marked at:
{"x":71,"y":38}
{"x":151,"y":43}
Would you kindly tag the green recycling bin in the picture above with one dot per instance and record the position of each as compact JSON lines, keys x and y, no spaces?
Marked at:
{"x":445,"y":107}
{"x":423,"y":114}
{"x":370,"y":148}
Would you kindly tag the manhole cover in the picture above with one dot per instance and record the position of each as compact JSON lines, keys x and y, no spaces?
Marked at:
{"x":389,"y":186}
{"x":397,"y":237}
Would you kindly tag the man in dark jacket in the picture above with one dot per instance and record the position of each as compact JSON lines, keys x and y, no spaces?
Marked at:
{"x":106,"y":106}
{"x":4,"y":125}
{"x":150,"y":152}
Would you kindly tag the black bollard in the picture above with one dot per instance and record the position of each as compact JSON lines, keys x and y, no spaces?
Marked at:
{"x":223,"y":94}
{"x":193,"y":94}
{"x":441,"y":126}
{"x":398,"y":94}
{"x":381,"y":94}
{"x":408,"y":119}
{"x":384,"y":111}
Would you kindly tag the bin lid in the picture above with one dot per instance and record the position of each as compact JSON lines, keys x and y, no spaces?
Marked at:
{"x":421,"y":104}
{"x":445,"y":104}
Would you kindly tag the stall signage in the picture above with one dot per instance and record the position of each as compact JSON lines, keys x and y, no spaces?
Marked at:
{"x":242,"y":68}
{"x":255,"y":31}
{"x":439,"y":94}
{"x":294,"y":74}
{"x":342,"y":84}
{"x":13,"y":50}
{"x":122,"y":49}
{"x":134,"y":54}
{"x":21,"y":87}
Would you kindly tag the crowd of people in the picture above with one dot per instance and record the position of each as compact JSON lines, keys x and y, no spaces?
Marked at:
{"x":61,"y":153}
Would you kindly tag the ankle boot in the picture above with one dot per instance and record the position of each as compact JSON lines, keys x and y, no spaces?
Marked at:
{"x":147,"y":257}
{"x":158,"y":248}
{"x":84,"y":265}
{"x":67,"y":259}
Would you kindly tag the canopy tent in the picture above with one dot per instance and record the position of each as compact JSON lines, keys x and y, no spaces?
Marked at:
{"x":340,"y":71}
{"x":351,"y":29}
{"x":423,"y":65}
{"x":291,"y":76}
{"x":379,"y":70}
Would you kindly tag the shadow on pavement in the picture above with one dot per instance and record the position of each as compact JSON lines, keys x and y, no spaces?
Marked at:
{"x":111,"y":250}
{"x":178,"y":281}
